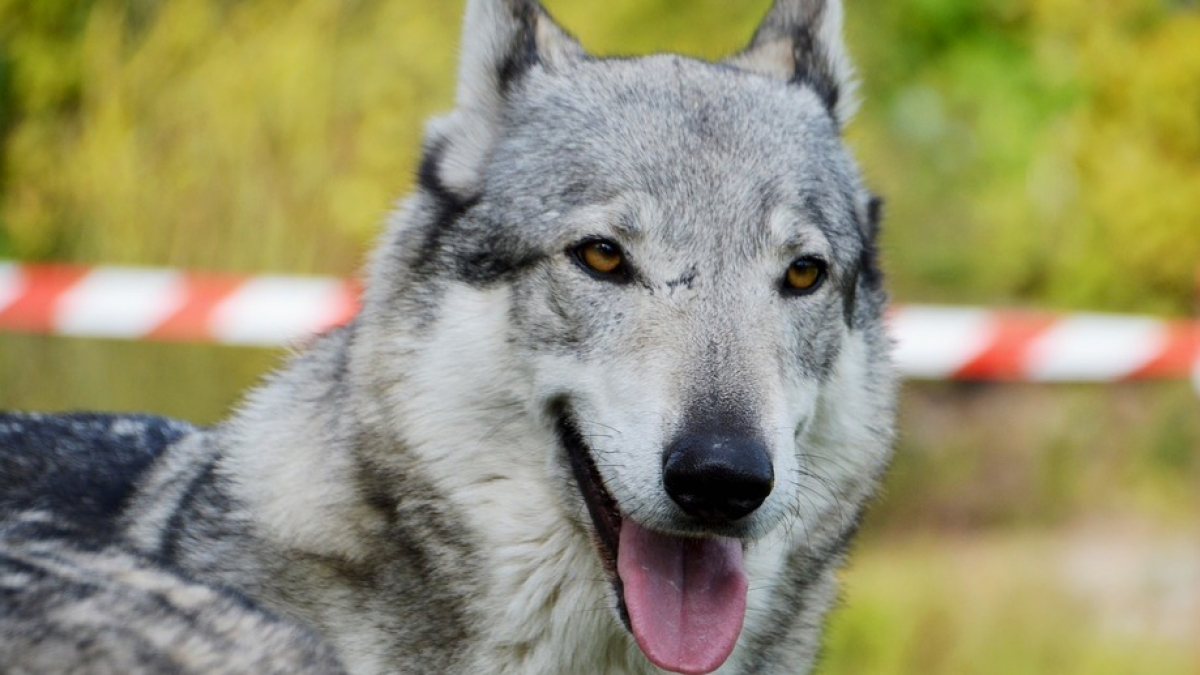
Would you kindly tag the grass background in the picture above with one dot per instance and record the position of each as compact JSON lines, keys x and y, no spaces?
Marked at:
{"x":1033,"y":152}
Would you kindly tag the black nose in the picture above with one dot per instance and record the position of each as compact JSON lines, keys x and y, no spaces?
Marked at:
{"x":718,"y":477}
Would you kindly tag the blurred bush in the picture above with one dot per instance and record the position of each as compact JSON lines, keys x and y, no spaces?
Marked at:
{"x":1037,"y":151}
{"x":249,"y":136}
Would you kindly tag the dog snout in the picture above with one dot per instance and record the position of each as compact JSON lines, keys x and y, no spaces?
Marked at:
{"x":718,"y":478}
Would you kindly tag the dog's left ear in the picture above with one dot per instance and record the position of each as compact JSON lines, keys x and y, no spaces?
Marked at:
{"x":502,"y":41}
{"x":800,"y":41}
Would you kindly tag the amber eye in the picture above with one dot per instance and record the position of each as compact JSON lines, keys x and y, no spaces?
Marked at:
{"x":804,"y":275}
{"x":601,"y":257}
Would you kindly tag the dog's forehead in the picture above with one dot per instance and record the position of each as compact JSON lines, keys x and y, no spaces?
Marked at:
{"x":706,"y":141}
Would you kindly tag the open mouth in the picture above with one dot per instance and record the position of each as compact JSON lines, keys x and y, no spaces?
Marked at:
{"x":682,"y":598}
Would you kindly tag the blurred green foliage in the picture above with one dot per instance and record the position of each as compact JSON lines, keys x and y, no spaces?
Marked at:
{"x":996,"y":605}
{"x":974,"y":457}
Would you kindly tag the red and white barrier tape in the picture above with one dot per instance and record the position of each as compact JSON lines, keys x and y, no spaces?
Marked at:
{"x":163,"y":304}
{"x":931,"y":342}
{"x":981,"y":344}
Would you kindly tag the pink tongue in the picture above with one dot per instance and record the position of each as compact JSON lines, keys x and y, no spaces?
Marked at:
{"x":686,"y":597}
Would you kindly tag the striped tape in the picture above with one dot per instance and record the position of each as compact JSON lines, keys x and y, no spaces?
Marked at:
{"x":931,"y":342}
{"x":162,"y":304}
{"x":980,"y":344}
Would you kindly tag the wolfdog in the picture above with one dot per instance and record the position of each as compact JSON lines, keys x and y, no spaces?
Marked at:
{"x":615,"y":400}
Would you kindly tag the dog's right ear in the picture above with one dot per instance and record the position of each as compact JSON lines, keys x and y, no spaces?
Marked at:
{"x":800,"y":41}
{"x":502,"y":41}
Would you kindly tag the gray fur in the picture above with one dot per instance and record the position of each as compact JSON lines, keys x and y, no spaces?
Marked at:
{"x":402,"y":488}
{"x":74,"y":608}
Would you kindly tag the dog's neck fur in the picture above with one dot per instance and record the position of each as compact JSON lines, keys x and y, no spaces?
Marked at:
{"x":562,"y":620}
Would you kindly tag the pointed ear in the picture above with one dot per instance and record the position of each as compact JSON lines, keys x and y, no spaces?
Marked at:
{"x":502,"y":40}
{"x":800,"y":41}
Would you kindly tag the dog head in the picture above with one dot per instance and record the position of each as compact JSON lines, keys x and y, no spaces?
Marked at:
{"x":681,"y":257}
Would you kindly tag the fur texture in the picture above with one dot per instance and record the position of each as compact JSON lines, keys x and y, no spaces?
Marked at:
{"x":441,"y":485}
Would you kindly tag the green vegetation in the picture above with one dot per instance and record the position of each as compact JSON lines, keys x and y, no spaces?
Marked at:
{"x":1032,"y":152}
{"x":1004,"y":605}
{"x":1058,"y":148}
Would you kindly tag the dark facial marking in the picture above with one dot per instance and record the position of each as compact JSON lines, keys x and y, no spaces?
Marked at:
{"x":867,"y":270}
{"x":448,"y":208}
{"x":492,"y":257}
{"x":430,"y":181}
{"x":687,"y":280}
{"x":849,"y":298}
{"x":479,"y":256}
{"x":869,"y":258}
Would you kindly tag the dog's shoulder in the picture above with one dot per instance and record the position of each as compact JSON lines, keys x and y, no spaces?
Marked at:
{"x":72,"y":603}
{"x":75,"y":597}
{"x":80,"y":467}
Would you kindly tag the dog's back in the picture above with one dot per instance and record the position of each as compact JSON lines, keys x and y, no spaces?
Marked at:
{"x":81,"y":469}
{"x":76,"y":599}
